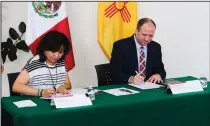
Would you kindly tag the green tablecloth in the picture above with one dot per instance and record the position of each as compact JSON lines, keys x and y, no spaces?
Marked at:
{"x":148,"y":108}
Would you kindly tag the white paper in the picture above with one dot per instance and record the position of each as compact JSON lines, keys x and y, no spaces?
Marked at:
{"x":72,"y":92}
{"x":188,"y":86}
{"x":74,"y":101}
{"x":121,"y":91}
{"x":58,"y":95}
{"x":24,"y":103}
{"x":146,"y":85}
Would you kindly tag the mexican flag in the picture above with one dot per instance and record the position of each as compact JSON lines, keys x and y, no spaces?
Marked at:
{"x":44,"y":17}
{"x":116,"y":20}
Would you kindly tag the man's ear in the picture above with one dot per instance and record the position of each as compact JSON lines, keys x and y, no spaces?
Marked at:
{"x":137,"y":31}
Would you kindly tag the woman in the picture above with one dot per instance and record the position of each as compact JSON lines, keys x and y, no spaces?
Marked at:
{"x":45,"y":74}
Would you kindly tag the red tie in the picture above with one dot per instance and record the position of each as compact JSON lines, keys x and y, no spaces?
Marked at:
{"x":142,"y":62}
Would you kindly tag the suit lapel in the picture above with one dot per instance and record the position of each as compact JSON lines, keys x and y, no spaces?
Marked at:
{"x":134,"y":53}
{"x":148,"y":62}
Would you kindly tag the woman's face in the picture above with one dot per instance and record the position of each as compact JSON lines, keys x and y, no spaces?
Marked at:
{"x":53,"y":57}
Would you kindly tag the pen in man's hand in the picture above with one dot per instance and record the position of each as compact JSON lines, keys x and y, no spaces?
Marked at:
{"x":137,"y":73}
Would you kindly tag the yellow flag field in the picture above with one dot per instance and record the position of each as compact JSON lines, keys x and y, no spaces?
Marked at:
{"x":116,"y":20}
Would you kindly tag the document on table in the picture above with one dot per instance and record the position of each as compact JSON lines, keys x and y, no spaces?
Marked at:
{"x":188,"y":86}
{"x":57,"y":95}
{"x":146,"y":85}
{"x":71,"y":93}
{"x":74,"y":101}
{"x":24,"y":103}
{"x":121,"y":91}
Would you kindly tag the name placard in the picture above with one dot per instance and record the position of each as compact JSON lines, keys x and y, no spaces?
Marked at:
{"x":185,"y":87}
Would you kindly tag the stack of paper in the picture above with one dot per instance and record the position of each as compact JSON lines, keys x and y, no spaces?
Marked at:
{"x":71,"y":93}
{"x":146,"y":85}
{"x":120,"y":91}
{"x":57,"y":95}
{"x":24,"y":103}
{"x":74,"y":101}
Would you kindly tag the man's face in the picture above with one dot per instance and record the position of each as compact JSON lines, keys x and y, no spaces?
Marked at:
{"x":145,"y":35}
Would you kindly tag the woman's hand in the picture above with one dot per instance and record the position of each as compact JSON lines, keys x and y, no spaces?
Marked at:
{"x":62,"y":90}
{"x":48,"y":92}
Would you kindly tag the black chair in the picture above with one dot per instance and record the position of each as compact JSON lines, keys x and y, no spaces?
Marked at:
{"x":6,"y":118}
{"x":103,"y":74}
{"x":12,"y":77}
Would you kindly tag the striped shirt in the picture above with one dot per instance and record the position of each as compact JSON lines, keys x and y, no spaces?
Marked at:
{"x":43,"y":76}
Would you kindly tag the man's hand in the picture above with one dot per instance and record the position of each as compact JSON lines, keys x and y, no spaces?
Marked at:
{"x":137,"y":79}
{"x":62,"y":90}
{"x":156,"y":78}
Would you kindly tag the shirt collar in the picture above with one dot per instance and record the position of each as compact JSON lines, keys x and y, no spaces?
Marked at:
{"x":138,"y":46}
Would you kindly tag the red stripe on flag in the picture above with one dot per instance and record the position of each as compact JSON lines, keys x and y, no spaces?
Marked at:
{"x":62,"y":26}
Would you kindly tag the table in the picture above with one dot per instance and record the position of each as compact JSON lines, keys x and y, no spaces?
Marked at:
{"x":148,"y":108}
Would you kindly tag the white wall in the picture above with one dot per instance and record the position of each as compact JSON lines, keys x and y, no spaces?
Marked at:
{"x":182,"y":29}
{"x":183,"y":32}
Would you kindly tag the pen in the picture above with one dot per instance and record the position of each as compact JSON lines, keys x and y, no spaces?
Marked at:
{"x":55,"y":90}
{"x":126,"y":90}
{"x":87,"y":95}
{"x":137,"y":72}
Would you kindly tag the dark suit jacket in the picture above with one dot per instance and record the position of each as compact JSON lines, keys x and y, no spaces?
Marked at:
{"x":124,"y":60}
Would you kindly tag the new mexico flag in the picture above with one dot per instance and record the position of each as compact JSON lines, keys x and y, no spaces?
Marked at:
{"x":116,"y":20}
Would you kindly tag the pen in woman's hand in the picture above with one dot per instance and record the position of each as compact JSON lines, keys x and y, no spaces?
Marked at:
{"x":54,"y":90}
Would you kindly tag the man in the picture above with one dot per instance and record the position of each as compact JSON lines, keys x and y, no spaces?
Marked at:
{"x":137,"y":58}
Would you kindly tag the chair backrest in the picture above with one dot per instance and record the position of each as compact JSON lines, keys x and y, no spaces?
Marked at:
{"x":103,"y":74}
{"x":12,"y":77}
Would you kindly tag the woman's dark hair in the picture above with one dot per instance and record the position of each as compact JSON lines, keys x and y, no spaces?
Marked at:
{"x":52,"y":41}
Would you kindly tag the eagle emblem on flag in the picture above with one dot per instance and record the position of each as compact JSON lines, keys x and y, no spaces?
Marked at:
{"x":47,"y":9}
